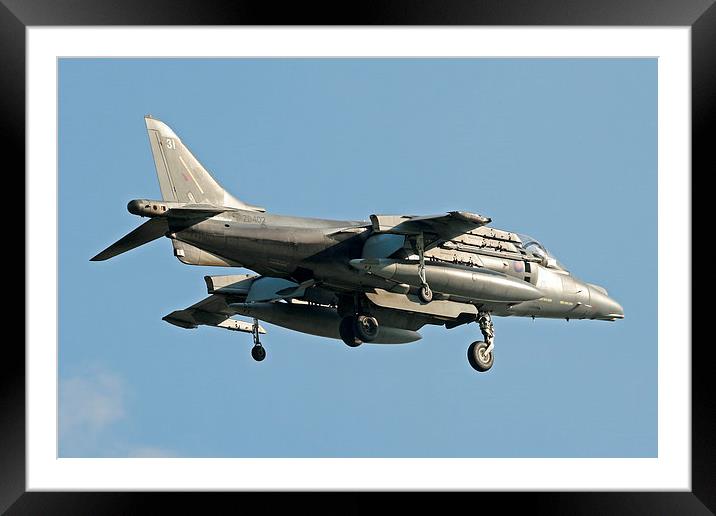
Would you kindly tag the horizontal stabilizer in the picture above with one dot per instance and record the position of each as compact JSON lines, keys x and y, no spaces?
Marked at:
{"x":150,"y":230}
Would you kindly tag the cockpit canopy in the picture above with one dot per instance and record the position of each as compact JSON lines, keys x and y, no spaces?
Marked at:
{"x":532,"y":245}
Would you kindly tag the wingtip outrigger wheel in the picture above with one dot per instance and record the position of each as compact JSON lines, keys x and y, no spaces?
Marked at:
{"x":258,"y":352}
{"x":479,"y":354}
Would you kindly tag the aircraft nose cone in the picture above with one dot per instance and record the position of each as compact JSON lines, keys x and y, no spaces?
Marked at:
{"x":605,"y":308}
{"x":614,"y":309}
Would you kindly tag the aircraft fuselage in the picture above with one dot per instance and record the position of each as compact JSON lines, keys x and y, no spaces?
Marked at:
{"x":302,"y":248}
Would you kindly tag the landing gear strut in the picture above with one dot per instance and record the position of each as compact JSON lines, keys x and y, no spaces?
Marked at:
{"x":425,"y":294}
{"x":258,"y":352}
{"x":479,"y":354}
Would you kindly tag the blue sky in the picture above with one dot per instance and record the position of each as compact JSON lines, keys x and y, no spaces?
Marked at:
{"x":562,"y":149}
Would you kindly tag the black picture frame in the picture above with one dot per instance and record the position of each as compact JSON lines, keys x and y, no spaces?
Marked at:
{"x":700,"y":15}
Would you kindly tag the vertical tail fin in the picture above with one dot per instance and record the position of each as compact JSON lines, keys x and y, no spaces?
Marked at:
{"x":181,"y":177}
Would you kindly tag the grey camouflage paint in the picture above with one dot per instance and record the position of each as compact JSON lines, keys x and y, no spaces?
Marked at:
{"x":322,"y":270}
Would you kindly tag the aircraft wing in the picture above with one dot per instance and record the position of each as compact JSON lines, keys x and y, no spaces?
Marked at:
{"x":211,"y":311}
{"x":239,"y":288}
{"x":436,"y":228}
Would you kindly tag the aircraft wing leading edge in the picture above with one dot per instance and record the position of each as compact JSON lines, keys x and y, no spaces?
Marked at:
{"x":436,"y":228}
{"x":447,"y":226}
{"x":211,"y":311}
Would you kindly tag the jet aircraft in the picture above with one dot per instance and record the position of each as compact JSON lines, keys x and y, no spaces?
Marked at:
{"x":367,"y":281}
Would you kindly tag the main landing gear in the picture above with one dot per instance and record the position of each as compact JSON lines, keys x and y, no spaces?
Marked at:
{"x":356,"y":326}
{"x":357,"y":329}
{"x":258,"y":352}
{"x":480,"y":354}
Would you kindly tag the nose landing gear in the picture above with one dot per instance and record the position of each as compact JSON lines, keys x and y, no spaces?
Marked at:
{"x":479,"y":354}
{"x":425,"y":293}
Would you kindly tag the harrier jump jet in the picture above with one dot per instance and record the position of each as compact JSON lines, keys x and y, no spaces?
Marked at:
{"x":372,"y":281}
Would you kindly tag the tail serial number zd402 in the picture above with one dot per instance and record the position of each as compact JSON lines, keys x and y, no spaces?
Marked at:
{"x":377,"y":281}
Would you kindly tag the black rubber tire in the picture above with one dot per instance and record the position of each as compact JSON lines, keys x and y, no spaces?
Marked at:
{"x":258,"y":353}
{"x":347,"y":330}
{"x":475,"y":355}
{"x":425,"y":294}
{"x":366,"y":328}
